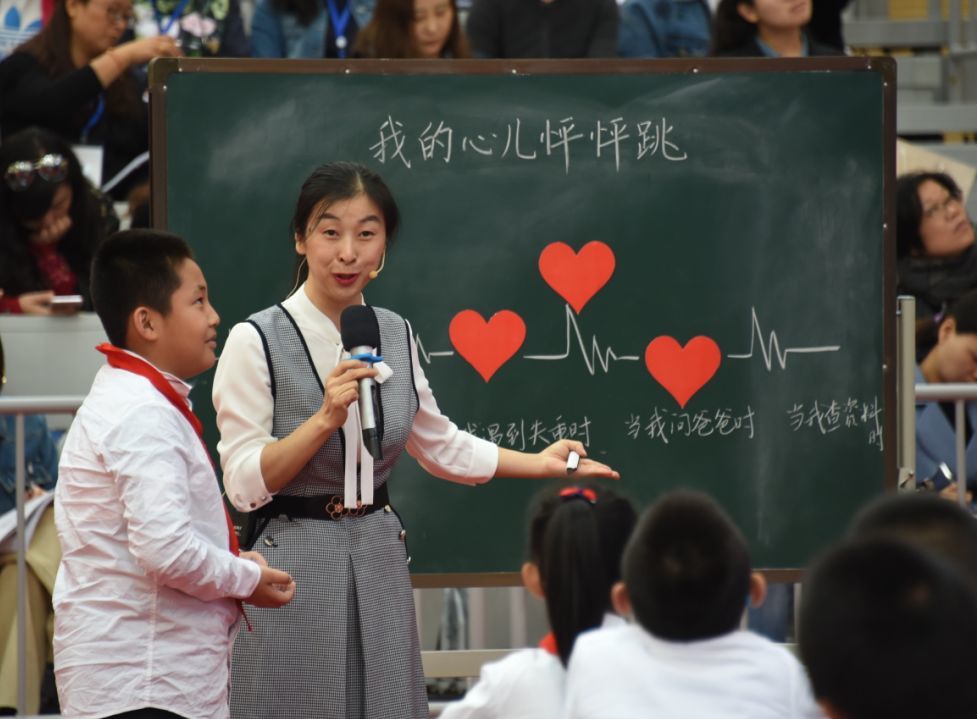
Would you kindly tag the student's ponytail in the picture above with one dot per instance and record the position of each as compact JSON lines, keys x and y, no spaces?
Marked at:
{"x":577,"y":537}
{"x":573,"y":573}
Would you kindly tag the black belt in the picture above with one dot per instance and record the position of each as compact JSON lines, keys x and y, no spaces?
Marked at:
{"x":326,"y":506}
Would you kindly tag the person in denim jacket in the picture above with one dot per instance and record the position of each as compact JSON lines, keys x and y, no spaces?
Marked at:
{"x":40,"y":458}
{"x":307,"y":28}
{"x":664,"y":28}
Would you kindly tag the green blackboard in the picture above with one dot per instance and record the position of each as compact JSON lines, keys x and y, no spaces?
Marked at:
{"x":743,"y":203}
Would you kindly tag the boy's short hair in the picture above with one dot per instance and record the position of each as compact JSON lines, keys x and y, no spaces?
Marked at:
{"x":687,"y":569}
{"x":924,"y":520}
{"x":888,"y":629}
{"x":135,"y":268}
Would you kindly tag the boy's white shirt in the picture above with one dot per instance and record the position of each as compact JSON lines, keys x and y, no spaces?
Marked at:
{"x":626,"y":672}
{"x":143,"y":608}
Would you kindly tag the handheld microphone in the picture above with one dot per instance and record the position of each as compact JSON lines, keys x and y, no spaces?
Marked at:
{"x":360,"y":331}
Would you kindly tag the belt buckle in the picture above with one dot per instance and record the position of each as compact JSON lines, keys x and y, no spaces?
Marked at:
{"x":335,"y":508}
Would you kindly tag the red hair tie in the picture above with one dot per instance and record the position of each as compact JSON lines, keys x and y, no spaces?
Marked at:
{"x":579,"y":492}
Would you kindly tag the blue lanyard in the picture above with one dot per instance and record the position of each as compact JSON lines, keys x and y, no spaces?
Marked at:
{"x":339,"y":23}
{"x":93,"y":120}
{"x":177,"y":12}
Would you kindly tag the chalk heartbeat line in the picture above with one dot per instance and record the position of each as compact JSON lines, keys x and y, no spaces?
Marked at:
{"x":771,"y":349}
{"x":426,"y":356}
{"x":596,"y":357}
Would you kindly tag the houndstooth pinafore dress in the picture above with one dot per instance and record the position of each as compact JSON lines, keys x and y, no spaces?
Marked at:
{"x":346,"y":647}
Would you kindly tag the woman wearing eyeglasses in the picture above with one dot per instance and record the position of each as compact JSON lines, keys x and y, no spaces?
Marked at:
{"x":72,"y":79}
{"x":937,"y":256}
{"x":51,"y":221}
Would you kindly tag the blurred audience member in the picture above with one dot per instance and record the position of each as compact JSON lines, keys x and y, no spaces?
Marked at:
{"x":201,"y":28}
{"x":413,"y":28}
{"x":765,"y":28}
{"x":43,"y":557}
{"x":934,"y":242}
{"x":664,"y":28}
{"x":73,"y":80}
{"x":51,"y":220}
{"x":543,"y":28}
{"x":307,"y":28}
{"x":953,"y":358}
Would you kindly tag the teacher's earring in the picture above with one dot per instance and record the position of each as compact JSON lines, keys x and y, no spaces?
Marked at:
{"x":373,"y":273}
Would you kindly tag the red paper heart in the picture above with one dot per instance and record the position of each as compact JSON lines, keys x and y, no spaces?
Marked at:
{"x":682,"y":371}
{"x":576,"y":276}
{"x":487,"y":345}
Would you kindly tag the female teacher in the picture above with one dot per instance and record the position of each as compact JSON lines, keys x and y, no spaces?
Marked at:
{"x":347,"y":645}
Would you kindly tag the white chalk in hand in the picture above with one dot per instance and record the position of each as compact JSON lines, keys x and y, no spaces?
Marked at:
{"x":573,"y":460}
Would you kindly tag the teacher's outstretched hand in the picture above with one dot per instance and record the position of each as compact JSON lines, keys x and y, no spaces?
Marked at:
{"x":552,"y":462}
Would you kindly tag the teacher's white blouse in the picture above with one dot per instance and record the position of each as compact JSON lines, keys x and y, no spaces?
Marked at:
{"x":242,"y":398}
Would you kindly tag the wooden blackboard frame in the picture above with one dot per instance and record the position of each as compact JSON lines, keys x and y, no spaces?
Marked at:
{"x":162,"y":69}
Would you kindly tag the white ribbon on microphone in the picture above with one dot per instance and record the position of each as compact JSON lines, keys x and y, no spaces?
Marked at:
{"x":356,"y":450}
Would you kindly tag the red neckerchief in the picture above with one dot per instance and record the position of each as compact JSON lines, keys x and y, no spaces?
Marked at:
{"x":120,"y":359}
{"x":548,"y":643}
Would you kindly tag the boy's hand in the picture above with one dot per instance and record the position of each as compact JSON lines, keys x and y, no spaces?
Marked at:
{"x":275,"y":589}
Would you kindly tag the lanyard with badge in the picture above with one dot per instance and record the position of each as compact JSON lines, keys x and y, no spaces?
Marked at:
{"x":339,"y":22}
{"x":90,"y":156}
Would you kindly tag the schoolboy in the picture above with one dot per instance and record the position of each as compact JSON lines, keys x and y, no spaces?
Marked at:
{"x":145,"y":610}
{"x":686,"y":582}
{"x":888,"y":630}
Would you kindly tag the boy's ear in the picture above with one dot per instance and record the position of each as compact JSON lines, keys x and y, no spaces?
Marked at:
{"x":144,"y":324}
{"x":748,"y":12}
{"x":531,"y":580}
{"x":758,"y":589}
{"x":621,"y":599}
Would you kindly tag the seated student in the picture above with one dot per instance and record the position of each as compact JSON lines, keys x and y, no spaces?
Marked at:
{"x":952,"y":359}
{"x":888,"y":631}
{"x":935,"y":249}
{"x":543,"y":28}
{"x":307,"y":28}
{"x":927,"y":521}
{"x":576,"y":537}
{"x":143,"y":529}
{"x":765,"y":28}
{"x":51,"y":221}
{"x":75,"y":81}
{"x":42,"y":557}
{"x":687,"y":582}
{"x":413,"y":28}
{"x":664,"y":28}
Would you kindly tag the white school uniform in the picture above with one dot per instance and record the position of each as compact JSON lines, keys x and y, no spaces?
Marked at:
{"x":626,"y":672}
{"x":527,"y":684}
{"x":144,"y":599}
